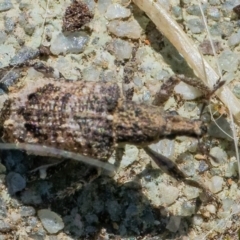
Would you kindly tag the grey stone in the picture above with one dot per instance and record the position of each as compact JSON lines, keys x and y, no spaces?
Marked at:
{"x":25,"y":54}
{"x":15,"y":182}
{"x":5,"y":5}
{"x":214,"y":131}
{"x":195,"y":25}
{"x":70,"y":43}
{"x":26,"y":211}
{"x":51,"y":221}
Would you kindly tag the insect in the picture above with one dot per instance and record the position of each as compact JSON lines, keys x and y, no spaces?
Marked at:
{"x":91,"y":118}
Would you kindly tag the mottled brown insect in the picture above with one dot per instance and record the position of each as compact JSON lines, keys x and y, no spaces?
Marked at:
{"x":91,"y":118}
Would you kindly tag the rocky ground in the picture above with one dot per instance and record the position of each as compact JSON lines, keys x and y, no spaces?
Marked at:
{"x":140,"y":201}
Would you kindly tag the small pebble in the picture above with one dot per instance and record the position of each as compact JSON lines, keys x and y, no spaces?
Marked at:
{"x":72,"y":43}
{"x":116,"y":11}
{"x":104,"y":60}
{"x":211,"y":208}
{"x":120,"y":49}
{"x":5,"y":5}
{"x":138,"y":81}
{"x":188,"y":209}
{"x":108,"y":76}
{"x":129,"y":29}
{"x":51,"y":221}
{"x":14,"y":217}
{"x":234,"y":39}
{"x":27,"y":211}
{"x":90,"y":74}
{"x":214,"y":13}
{"x":188,"y":168}
{"x":203,"y":166}
{"x":177,"y":12}
{"x":161,"y":194}
{"x":103,"y":5}
{"x":195,"y":25}
{"x":5,"y":227}
{"x":25,"y":5}
{"x":29,"y":29}
{"x":168,"y":194}
{"x":15,"y":182}
{"x":164,"y":147}
{"x":216,"y":184}
{"x":227,"y":28}
{"x":219,"y":154}
{"x":25,"y":54}
{"x":32,"y":221}
{"x":195,"y":10}
{"x":130,"y":155}
{"x":188,"y":92}
{"x":9,"y":24}
{"x":197,"y":220}
{"x":191,"y":192}
{"x":227,"y":204}
{"x":161,"y":74}
{"x":222,"y":29}
{"x":9,"y":80}
{"x":174,"y":223}
{"x":214,"y":2}
{"x":192,"y":148}
{"x":231,"y":170}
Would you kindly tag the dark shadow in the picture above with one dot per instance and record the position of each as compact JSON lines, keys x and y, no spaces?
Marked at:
{"x":122,"y":209}
{"x":162,"y":46}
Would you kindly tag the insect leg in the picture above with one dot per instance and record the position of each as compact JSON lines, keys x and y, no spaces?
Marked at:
{"x":129,"y":69}
{"x":170,"y":168}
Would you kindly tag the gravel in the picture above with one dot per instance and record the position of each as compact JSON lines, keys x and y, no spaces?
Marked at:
{"x":139,"y":200}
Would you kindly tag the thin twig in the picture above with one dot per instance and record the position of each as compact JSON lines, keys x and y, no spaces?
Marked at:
{"x":185,"y":46}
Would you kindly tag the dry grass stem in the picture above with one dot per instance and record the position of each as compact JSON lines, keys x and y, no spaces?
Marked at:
{"x":185,"y":46}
